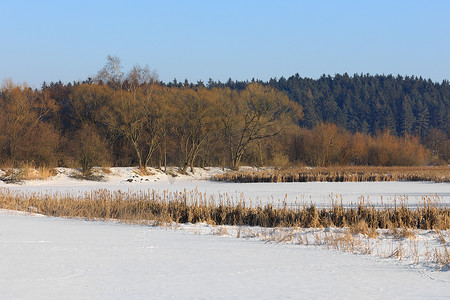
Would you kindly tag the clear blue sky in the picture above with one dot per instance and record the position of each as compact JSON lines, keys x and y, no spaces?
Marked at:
{"x":198,"y":40}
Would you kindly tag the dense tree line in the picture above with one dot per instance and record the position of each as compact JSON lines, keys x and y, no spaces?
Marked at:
{"x":366,"y":103}
{"x":134,"y":119}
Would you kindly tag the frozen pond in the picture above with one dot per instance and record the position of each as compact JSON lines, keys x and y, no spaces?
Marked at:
{"x":319,"y":193}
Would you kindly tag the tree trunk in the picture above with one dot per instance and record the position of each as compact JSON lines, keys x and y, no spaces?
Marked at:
{"x":138,"y":153}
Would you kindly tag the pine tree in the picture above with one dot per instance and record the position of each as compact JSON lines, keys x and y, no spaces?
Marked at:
{"x":423,"y":119}
{"x":365,"y":128}
{"x":388,"y":120}
{"x":407,"y":117}
{"x":311,"y":119}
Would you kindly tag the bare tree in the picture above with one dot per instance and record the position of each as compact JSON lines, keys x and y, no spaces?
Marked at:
{"x":90,"y":148}
{"x":136,"y":110}
{"x":254,"y":114}
{"x":141,"y":77}
{"x":195,"y":123}
{"x":140,"y":118}
{"x":111,"y":73}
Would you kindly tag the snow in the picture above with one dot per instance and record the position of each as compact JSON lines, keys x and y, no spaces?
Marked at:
{"x":54,"y":258}
{"x":319,"y":193}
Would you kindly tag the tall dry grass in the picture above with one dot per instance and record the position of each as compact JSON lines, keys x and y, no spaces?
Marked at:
{"x":340,"y":174}
{"x":193,"y":207}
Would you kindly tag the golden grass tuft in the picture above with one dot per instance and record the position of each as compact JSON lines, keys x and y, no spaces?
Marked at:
{"x":361,"y":227}
{"x":27,"y":172}
{"x":106,"y":170}
{"x":143,"y":172}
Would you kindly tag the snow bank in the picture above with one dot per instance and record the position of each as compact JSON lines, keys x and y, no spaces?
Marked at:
{"x":52,"y":258}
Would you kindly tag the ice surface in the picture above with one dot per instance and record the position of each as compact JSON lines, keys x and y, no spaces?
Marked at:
{"x":317,"y":192}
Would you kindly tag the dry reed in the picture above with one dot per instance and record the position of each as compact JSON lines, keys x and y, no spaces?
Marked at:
{"x":193,"y":207}
{"x":340,"y":174}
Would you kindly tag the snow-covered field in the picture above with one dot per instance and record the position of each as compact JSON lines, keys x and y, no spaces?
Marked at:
{"x":54,"y":258}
